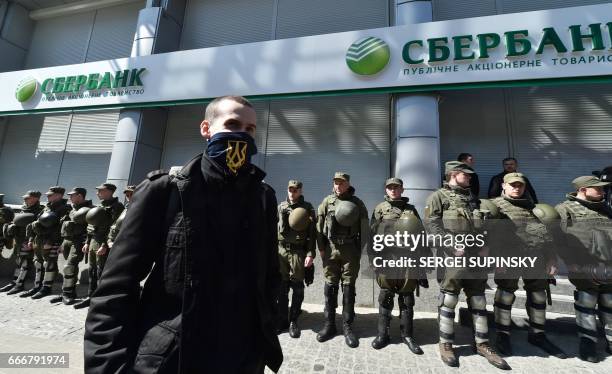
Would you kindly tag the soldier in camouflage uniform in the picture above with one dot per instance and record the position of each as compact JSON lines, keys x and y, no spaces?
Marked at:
{"x":96,"y":245}
{"x":586,"y":221}
{"x":297,"y":238}
{"x":453,"y":210}
{"x":45,"y":238}
{"x":116,"y":227}
{"x":342,"y":228}
{"x":386,"y":219}
{"x":6,"y":217}
{"x":16,"y":232}
{"x":74,"y":234}
{"x":522,"y":233}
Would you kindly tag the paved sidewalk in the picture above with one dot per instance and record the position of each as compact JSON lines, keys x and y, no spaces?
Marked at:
{"x":37,"y":326}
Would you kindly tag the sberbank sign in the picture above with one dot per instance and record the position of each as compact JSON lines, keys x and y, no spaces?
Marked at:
{"x":516,"y":44}
{"x":119,"y":83}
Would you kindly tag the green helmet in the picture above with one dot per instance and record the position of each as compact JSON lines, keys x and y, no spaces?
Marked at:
{"x":48,"y":219}
{"x":98,"y":216}
{"x":409,"y":223}
{"x":79,"y":215}
{"x":488,"y":205}
{"x":299,"y":219}
{"x":546,"y":213}
{"x":347,"y":213}
{"x":24,"y":219}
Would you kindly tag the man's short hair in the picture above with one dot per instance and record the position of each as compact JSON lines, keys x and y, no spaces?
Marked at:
{"x":509,"y":159}
{"x":212,"y":108}
{"x":463,"y":156}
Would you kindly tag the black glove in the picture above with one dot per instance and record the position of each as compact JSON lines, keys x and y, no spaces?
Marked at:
{"x":309,"y":275}
{"x":423,"y":282}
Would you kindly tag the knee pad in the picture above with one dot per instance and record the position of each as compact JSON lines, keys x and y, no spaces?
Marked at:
{"x":448,"y":300}
{"x":585,"y":299}
{"x":504,"y":299}
{"x":605,"y":301}
{"x":385,"y":299}
{"x":477,"y":302}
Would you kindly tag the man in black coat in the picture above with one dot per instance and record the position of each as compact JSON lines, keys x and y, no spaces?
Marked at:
{"x":468,"y":159}
{"x":510,"y":166}
{"x":209,"y":234}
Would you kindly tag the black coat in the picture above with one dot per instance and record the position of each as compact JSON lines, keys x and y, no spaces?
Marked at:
{"x":180,"y":309}
{"x":495,"y":187}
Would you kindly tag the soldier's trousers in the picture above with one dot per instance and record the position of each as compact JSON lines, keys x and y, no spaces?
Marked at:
{"x":587,"y":296}
{"x":291,"y":262}
{"x":404,"y":288}
{"x":341,"y":262}
{"x":473,"y":283}
{"x":96,"y":265}
{"x":23,"y":259}
{"x":39,"y":265}
{"x":535,"y":304}
{"x":73,"y":252}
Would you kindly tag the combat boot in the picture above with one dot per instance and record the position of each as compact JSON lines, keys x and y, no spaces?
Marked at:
{"x":406,"y":326}
{"x":406,"y":304}
{"x":348,"y":315}
{"x":331,"y":302}
{"x":17,"y":289}
{"x":541,"y":341}
{"x":503,"y":344}
{"x":296,"y":308}
{"x":42,"y":292}
{"x":31,"y":292}
{"x":382,"y":339}
{"x":447,"y":354}
{"x":68,"y":299}
{"x":7,"y":287}
{"x":82,"y":304}
{"x":486,"y":351}
{"x":588,"y":350}
{"x":56,"y":299}
{"x":283,"y":308}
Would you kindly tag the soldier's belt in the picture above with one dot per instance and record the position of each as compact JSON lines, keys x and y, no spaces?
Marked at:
{"x":342,"y":241}
{"x":293,"y":246}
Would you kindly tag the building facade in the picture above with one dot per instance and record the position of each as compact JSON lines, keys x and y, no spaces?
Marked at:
{"x":556,"y":131}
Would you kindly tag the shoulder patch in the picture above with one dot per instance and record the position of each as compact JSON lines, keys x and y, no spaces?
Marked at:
{"x":156,"y":174}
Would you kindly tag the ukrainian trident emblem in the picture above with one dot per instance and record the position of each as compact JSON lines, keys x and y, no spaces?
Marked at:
{"x":235,"y":154}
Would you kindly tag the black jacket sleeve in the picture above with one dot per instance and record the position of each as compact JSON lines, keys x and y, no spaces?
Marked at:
{"x":273,"y":278}
{"x":495,"y":187}
{"x":531,"y":191}
{"x":112,"y":320}
{"x":475,"y":185}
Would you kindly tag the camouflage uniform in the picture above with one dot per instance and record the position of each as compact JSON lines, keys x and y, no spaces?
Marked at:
{"x":341,"y":248}
{"x":588,"y":241}
{"x":97,"y":236}
{"x":46,"y":242}
{"x":521,"y":233}
{"x":23,"y":254}
{"x":74,"y":235}
{"x":293,"y":248}
{"x":454,"y":210}
{"x":385,"y":220}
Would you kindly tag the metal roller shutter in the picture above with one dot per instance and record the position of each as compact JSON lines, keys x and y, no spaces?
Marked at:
{"x":301,"y":18}
{"x":311,"y":139}
{"x":60,"y":41}
{"x":453,"y":9}
{"x":113,"y":32}
{"x":211,"y":23}
{"x":474,"y":121}
{"x":88,"y":150}
{"x":183,"y":139}
{"x":561,"y":133}
{"x":31,"y":154}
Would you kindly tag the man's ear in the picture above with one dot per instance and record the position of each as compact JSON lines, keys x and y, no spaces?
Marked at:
{"x":205,"y":129}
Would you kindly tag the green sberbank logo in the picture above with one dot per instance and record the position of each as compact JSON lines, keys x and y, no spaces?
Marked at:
{"x":26,"y":89}
{"x":368,"y":56}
